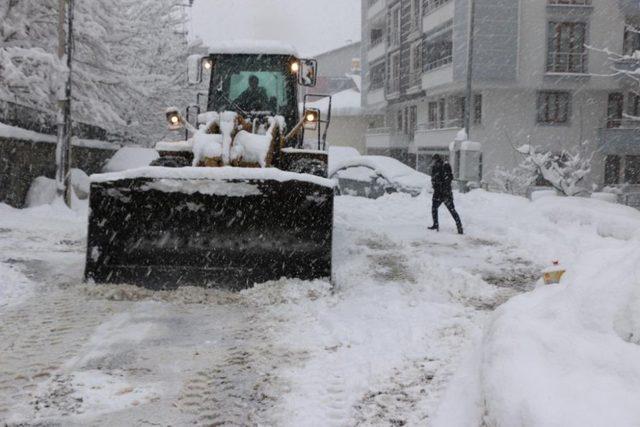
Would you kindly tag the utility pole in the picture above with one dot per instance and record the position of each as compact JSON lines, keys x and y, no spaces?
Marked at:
{"x":469,"y":92}
{"x":63,"y":148}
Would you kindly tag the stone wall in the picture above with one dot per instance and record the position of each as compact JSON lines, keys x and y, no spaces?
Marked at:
{"x":22,"y":161}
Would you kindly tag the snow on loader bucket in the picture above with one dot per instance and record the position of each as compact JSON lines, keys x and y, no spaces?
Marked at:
{"x":162,"y":228}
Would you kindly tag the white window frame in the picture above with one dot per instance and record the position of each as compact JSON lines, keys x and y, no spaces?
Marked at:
{"x":395,"y":25}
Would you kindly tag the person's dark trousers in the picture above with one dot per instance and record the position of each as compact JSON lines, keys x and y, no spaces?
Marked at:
{"x":448,"y":202}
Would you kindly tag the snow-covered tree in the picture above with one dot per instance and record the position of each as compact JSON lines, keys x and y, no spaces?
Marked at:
{"x":129,"y":60}
{"x":565,"y":171}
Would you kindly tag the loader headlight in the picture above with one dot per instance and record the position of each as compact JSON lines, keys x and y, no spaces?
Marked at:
{"x":295,"y":67}
{"x":174,"y":119}
{"x":207,"y":64}
{"x":311,"y":118}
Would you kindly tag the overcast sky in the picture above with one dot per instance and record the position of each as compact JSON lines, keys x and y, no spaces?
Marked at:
{"x":312,"y":26}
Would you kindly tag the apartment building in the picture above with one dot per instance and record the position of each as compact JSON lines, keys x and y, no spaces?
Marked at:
{"x":538,"y":78}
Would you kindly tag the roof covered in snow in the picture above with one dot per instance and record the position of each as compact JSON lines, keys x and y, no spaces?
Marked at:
{"x":345,"y":103}
{"x":253,"y":47}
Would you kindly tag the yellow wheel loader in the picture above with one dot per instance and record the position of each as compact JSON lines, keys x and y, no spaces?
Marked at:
{"x":243,"y":200}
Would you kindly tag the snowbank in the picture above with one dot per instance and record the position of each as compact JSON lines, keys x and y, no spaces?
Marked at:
{"x":130,"y":158}
{"x":567,"y":354}
{"x":222,"y":173}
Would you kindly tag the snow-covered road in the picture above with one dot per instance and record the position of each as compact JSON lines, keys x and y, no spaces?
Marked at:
{"x":379,"y":349}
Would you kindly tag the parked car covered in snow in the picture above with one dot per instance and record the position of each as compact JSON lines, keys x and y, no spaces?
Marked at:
{"x":375,"y":176}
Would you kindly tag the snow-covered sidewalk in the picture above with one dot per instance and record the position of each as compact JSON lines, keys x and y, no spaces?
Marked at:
{"x":380,"y":348}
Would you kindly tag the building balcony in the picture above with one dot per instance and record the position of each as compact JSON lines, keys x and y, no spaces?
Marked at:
{"x":376,"y":7}
{"x":436,"y":13}
{"x":385,"y":138}
{"x":376,"y":51}
{"x":428,"y":136}
{"x":630,"y":7}
{"x":438,"y":76}
{"x":621,"y":140}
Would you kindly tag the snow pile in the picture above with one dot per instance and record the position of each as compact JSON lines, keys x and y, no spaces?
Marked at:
{"x":569,"y":355}
{"x":254,"y":148}
{"x":391,"y":169}
{"x":43,"y":191}
{"x":80,"y":182}
{"x":206,"y":146}
{"x":566,"y":354}
{"x":14,"y":286}
{"x":130,"y":158}
{"x":222,"y":173}
{"x":339,"y":154}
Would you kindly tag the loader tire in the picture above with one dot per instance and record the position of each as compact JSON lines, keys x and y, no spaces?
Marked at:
{"x":309,"y":166}
{"x":171,"y":162}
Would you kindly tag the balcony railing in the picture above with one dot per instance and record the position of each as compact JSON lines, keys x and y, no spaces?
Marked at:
{"x":440,"y":124}
{"x":570,"y":2}
{"x":379,"y":131}
{"x":429,"y":66}
{"x":560,"y":62}
{"x":431,"y":5}
{"x":624,"y":123}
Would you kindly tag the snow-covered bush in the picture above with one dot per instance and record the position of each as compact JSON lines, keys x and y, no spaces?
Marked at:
{"x":564,"y":170}
{"x":515,"y":181}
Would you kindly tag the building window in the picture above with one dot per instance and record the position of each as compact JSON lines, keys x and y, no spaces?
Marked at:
{"x":439,"y":51}
{"x":376,"y":74}
{"x":614,"y":110}
{"x":394,"y":73}
{"x":611,"y":170}
{"x":377,"y":35}
{"x":394,"y":26}
{"x":633,"y":106}
{"x":416,"y":13}
{"x":415,"y":76}
{"x":477,"y":109}
{"x":566,"y":47}
{"x":431,"y":5}
{"x":631,"y":40}
{"x":553,"y":107}
{"x":399,"y":121}
{"x":632,"y":169}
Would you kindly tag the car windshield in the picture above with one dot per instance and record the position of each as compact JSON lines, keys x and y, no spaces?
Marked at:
{"x":251,"y":83}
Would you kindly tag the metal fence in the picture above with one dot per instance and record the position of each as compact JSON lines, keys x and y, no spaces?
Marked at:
{"x":44,"y":122}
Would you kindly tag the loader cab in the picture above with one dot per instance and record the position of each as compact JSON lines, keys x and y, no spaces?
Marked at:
{"x":253,"y":84}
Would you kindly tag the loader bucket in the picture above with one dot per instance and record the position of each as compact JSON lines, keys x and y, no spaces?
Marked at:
{"x":215,"y":230}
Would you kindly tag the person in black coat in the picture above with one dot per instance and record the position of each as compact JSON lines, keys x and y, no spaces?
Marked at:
{"x":441,"y":177}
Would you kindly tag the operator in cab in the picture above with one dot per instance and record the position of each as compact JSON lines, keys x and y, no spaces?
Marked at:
{"x":255,"y":97}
